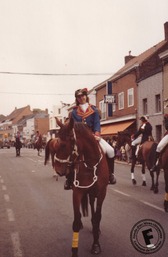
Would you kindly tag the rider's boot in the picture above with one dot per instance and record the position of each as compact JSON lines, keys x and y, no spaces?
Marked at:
{"x":133,"y":147}
{"x":69,"y":180}
{"x":156,"y":162}
{"x":112,"y":179}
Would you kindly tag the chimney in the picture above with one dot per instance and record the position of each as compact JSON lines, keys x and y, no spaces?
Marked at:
{"x":166,"y":30}
{"x":129,"y":57}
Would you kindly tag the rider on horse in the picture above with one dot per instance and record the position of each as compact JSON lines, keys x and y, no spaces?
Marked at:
{"x":143,"y":134}
{"x":145,"y":131}
{"x":161,"y":145}
{"x":18,"y":143}
{"x":89,"y":114}
{"x":37,"y":136}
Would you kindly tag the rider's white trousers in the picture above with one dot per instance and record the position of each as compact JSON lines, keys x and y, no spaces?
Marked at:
{"x":162,"y":144}
{"x":137,"y":141}
{"x":107,"y":149}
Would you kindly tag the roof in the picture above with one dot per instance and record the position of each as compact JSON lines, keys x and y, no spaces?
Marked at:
{"x":138,"y":60}
{"x":15,"y":113}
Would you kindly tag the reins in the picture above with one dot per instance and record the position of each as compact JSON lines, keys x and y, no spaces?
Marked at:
{"x":69,"y":161}
{"x":76,"y":182}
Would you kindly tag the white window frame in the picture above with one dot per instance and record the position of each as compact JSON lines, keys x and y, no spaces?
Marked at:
{"x":130,"y":97}
{"x":103,"y":109}
{"x":121,"y":100}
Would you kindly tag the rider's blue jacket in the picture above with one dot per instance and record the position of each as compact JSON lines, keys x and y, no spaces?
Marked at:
{"x":91,"y":117}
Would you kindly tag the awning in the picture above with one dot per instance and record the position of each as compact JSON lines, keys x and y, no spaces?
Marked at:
{"x":115,"y":128}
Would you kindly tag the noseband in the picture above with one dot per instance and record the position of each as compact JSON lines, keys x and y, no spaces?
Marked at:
{"x":69,"y":161}
{"x":74,"y":152}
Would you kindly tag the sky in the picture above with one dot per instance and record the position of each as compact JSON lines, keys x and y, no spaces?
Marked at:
{"x":50,"y":48}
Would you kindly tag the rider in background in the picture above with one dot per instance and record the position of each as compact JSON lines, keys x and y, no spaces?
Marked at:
{"x":90,"y":115}
{"x":143,"y":134}
{"x":18,"y":135}
{"x":161,"y":145}
{"x":37,"y":136}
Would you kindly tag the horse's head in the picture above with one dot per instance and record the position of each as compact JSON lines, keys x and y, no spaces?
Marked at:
{"x":66,"y":149}
{"x":76,"y":145}
{"x":122,"y":139}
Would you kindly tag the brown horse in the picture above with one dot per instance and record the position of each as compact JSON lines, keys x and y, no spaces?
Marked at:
{"x":164,"y":166}
{"x":79,"y":151}
{"x":146,"y":153}
{"x":145,"y":157}
{"x":18,"y":146}
{"x":50,"y":150}
{"x":38,"y":145}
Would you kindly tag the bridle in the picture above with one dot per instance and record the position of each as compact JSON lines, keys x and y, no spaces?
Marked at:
{"x":76,"y":162}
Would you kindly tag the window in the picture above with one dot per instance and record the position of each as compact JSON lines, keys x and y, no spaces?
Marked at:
{"x":59,"y":110}
{"x":158,"y":133}
{"x":130,"y":97}
{"x":102,"y":107}
{"x":157,"y":103}
{"x":121,"y":100}
{"x":145,"y":106}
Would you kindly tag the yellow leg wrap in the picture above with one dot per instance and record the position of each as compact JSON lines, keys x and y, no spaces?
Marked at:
{"x":166,"y":196}
{"x":75,"y":240}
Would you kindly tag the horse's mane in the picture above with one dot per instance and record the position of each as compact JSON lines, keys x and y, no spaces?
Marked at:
{"x":83,"y":130}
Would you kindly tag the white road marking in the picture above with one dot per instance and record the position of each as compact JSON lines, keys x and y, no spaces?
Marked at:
{"x":10,"y":215}
{"x":16,"y":244}
{"x":120,"y":192}
{"x":144,"y":202}
{"x":152,"y":205}
{"x":6,"y":197}
{"x":31,"y":159}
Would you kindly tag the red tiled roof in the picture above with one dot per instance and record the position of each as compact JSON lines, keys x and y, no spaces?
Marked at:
{"x":136,"y":61}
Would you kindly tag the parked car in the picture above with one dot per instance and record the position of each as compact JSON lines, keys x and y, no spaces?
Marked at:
{"x":4,"y":144}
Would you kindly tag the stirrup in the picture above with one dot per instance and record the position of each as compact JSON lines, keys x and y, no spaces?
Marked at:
{"x":112,"y":179}
{"x":67,"y":185}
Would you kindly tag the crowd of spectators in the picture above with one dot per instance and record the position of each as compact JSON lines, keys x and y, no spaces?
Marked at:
{"x":123,"y":153}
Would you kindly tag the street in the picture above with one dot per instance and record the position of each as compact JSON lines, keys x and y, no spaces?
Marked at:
{"x":36,"y":212}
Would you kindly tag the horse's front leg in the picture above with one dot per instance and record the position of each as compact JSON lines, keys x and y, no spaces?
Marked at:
{"x":96,"y":249}
{"x":166,"y":190}
{"x":132,"y":170}
{"x":143,"y":174}
{"x":77,"y":223}
{"x":152,"y":177}
{"x":156,"y":186}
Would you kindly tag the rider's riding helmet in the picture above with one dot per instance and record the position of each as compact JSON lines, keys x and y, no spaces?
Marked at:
{"x":79,"y":92}
{"x":144,"y":119}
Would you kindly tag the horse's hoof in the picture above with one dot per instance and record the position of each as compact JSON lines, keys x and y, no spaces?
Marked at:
{"x":166,"y":205}
{"x":96,"y":249}
{"x":144,"y":183}
{"x":134,"y":181}
{"x":156,"y":190}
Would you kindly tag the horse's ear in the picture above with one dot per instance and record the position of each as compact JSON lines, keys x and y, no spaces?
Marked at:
{"x":59,"y":123}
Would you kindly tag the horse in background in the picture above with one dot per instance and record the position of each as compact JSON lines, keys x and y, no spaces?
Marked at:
{"x":38,"y":144}
{"x":18,"y":146}
{"x":50,"y":150}
{"x":79,"y":152}
{"x":144,"y":157}
{"x":163,"y":162}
